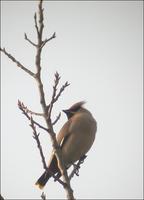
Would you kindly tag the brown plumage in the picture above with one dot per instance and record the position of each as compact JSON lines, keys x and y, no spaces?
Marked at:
{"x":75,"y":139}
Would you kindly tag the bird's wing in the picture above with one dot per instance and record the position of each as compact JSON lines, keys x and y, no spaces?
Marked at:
{"x":64,"y":133}
{"x":61,"y":138}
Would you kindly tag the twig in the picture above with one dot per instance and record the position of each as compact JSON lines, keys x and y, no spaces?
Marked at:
{"x":56,"y":120}
{"x":75,"y":171}
{"x":36,"y":137}
{"x":36,"y":25}
{"x":26,"y":38}
{"x":61,"y":90}
{"x":55,"y":96}
{"x":56,"y":82}
{"x":22,"y":108}
{"x":17,"y":62}
{"x":47,"y":40}
{"x":41,"y":18}
{"x":28,"y":110}
{"x":43,"y":196}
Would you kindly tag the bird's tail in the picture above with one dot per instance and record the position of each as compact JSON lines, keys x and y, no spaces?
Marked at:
{"x":53,"y":167}
{"x":43,"y":180}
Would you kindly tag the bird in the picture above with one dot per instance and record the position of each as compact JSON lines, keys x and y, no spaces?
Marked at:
{"x":75,"y":139}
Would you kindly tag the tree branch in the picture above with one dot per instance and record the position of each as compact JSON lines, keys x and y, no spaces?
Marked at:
{"x":36,"y":137}
{"x":32,"y":43}
{"x":17,"y":62}
{"x":75,"y":171}
{"x":47,"y":116}
{"x":56,"y":96}
{"x":47,"y":40}
{"x":56,"y":120}
{"x":22,"y":108}
{"x":43,"y":196}
{"x":29,"y":111}
{"x":36,"y":25}
{"x":61,"y":90}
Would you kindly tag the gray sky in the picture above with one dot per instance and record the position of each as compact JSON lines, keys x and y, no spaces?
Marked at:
{"x":98,"y":49}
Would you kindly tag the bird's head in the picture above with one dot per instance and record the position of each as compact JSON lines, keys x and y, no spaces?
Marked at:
{"x":74,"y":109}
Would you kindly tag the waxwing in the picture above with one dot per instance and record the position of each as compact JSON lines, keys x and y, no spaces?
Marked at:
{"x":75,"y":139}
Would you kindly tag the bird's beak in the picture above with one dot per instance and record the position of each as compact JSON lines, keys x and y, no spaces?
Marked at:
{"x":66,"y":111}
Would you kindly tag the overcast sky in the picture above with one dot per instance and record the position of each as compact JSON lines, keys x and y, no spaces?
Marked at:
{"x":98,"y":50}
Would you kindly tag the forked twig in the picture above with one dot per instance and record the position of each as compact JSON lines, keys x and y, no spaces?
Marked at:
{"x":22,"y":108}
{"x":32,"y":43}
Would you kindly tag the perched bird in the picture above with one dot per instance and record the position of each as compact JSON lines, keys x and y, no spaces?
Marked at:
{"x":75,"y":139}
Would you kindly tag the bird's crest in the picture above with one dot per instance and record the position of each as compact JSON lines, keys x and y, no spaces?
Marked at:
{"x":77,"y":106}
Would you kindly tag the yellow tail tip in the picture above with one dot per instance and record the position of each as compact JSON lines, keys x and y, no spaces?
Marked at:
{"x":39,"y":186}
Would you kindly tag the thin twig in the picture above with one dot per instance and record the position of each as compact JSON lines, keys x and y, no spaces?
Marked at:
{"x":32,"y":43}
{"x":61,"y":90}
{"x":22,"y":108}
{"x":56,"y":82}
{"x":75,"y":171}
{"x":43,"y":196}
{"x":34,"y":113}
{"x":36,"y":25}
{"x":41,"y":19}
{"x":56,"y":120}
{"x":56,"y":96}
{"x":29,"y":111}
{"x":17,"y":62}
{"x":36,"y":137}
{"x":47,"y":40}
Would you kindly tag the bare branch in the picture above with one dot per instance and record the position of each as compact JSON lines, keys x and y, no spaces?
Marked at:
{"x":41,"y":18}
{"x":36,"y":137}
{"x":75,"y":171}
{"x":61,"y":90}
{"x":47,"y":40}
{"x":26,"y":38}
{"x":17,"y":62}
{"x":54,"y":95}
{"x":22,"y":108}
{"x":47,"y":115}
{"x":56,"y":120}
{"x":36,"y":25}
{"x":29,"y":111}
{"x":43,"y":196}
{"x":56,"y":82}
{"x":34,"y":113}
